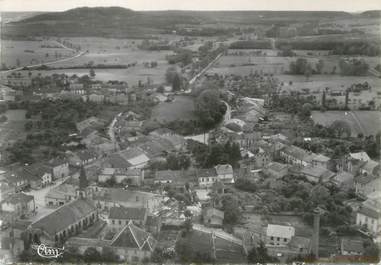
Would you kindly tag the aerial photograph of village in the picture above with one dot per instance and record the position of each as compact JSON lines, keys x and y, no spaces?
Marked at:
{"x":214,"y":132}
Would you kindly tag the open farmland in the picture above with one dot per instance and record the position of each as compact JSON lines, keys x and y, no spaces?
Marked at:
{"x":320,"y":82}
{"x":247,"y":62}
{"x":112,"y":52}
{"x":131,"y":75}
{"x":31,"y":52}
{"x":116,"y":52}
{"x":182,"y":108}
{"x":365,"y":122}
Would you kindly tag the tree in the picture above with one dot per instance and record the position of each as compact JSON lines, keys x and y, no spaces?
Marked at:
{"x":298,"y":67}
{"x":170,"y":74}
{"x":353,"y":67}
{"x":176,"y":83}
{"x":92,"y":73}
{"x":341,"y":128}
{"x":319,"y":66}
{"x":176,"y":162}
{"x":91,"y":255}
{"x":28,"y":125}
{"x":305,"y":111}
{"x":371,"y":252}
{"x":108,"y":255}
{"x":308,"y":71}
{"x":160,"y":89}
{"x":259,"y":255}
{"x":209,"y":108}
{"x":3,"y":118}
{"x":231,"y":209}
{"x":188,"y":225}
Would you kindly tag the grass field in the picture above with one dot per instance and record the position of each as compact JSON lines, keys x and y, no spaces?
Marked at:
{"x":319,"y":82}
{"x":11,"y":51}
{"x":114,"y":52}
{"x":273,"y":64}
{"x":181,"y":108}
{"x":366,"y":122}
{"x":131,"y":75}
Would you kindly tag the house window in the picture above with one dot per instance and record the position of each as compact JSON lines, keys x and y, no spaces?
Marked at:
{"x":278,"y":239}
{"x":285,"y":239}
{"x":272,"y":238}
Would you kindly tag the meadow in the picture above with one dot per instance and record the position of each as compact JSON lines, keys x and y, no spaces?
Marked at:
{"x":182,"y":108}
{"x":102,"y":51}
{"x":270,"y":64}
{"x":31,"y":52}
{"x":319,"y":82}
{"x":365,"y":122}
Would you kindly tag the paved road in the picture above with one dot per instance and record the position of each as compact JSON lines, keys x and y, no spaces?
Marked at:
{"x":205,"y":69}
{"x":39,"y":199}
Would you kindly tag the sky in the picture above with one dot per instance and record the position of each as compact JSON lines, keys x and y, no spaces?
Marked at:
{"x":61,"y":5}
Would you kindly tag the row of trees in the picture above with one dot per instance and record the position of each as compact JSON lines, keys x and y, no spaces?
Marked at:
{"x":337,"y":46}
{"x":302,"y":67}
{"x":215,"y":153}
{"x":353,"y":67}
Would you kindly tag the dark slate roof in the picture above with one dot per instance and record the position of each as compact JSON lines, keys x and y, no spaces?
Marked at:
{"x":36,"y":171}
{"x":152,"y":220}
{"x":18,"y":198}
{"x":116,"y":161}
{"x":134,"y":237}
{"x":127,"y":213}
{"x":86,"y":154}
{"x":64,"y":216}
{"x":352,"y":245}
{"x":367,"y":211}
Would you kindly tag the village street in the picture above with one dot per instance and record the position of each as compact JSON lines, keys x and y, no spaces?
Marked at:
{"x":39,"y":199}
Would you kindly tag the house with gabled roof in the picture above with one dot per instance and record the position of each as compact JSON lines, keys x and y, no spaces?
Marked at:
{"x":225,"y":173}
{"x":366,"y":184}
{"x":279,"y":235}
{"x":120,"y":216}
{"x":18,"y":204}
{"x":128,"y":176}
{"x":296,"y":156}
{"x":60,"y":167}
{"x":217,"y":245}
{"x":351,"y":247}
{"x":128,"y":158}
{"x":106,"y":198}
{"x":343,"y":180}
{"x":81,"y":158}
{"x":60,"y":195}
{"x":369,"y":216}
{"x":316,"y":174}
{"x":38,"y":175}
{"x":131,"y":244}
{"x":64,"y":222}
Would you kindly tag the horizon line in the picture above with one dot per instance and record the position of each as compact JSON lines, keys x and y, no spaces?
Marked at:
{"x":198,"y":10}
